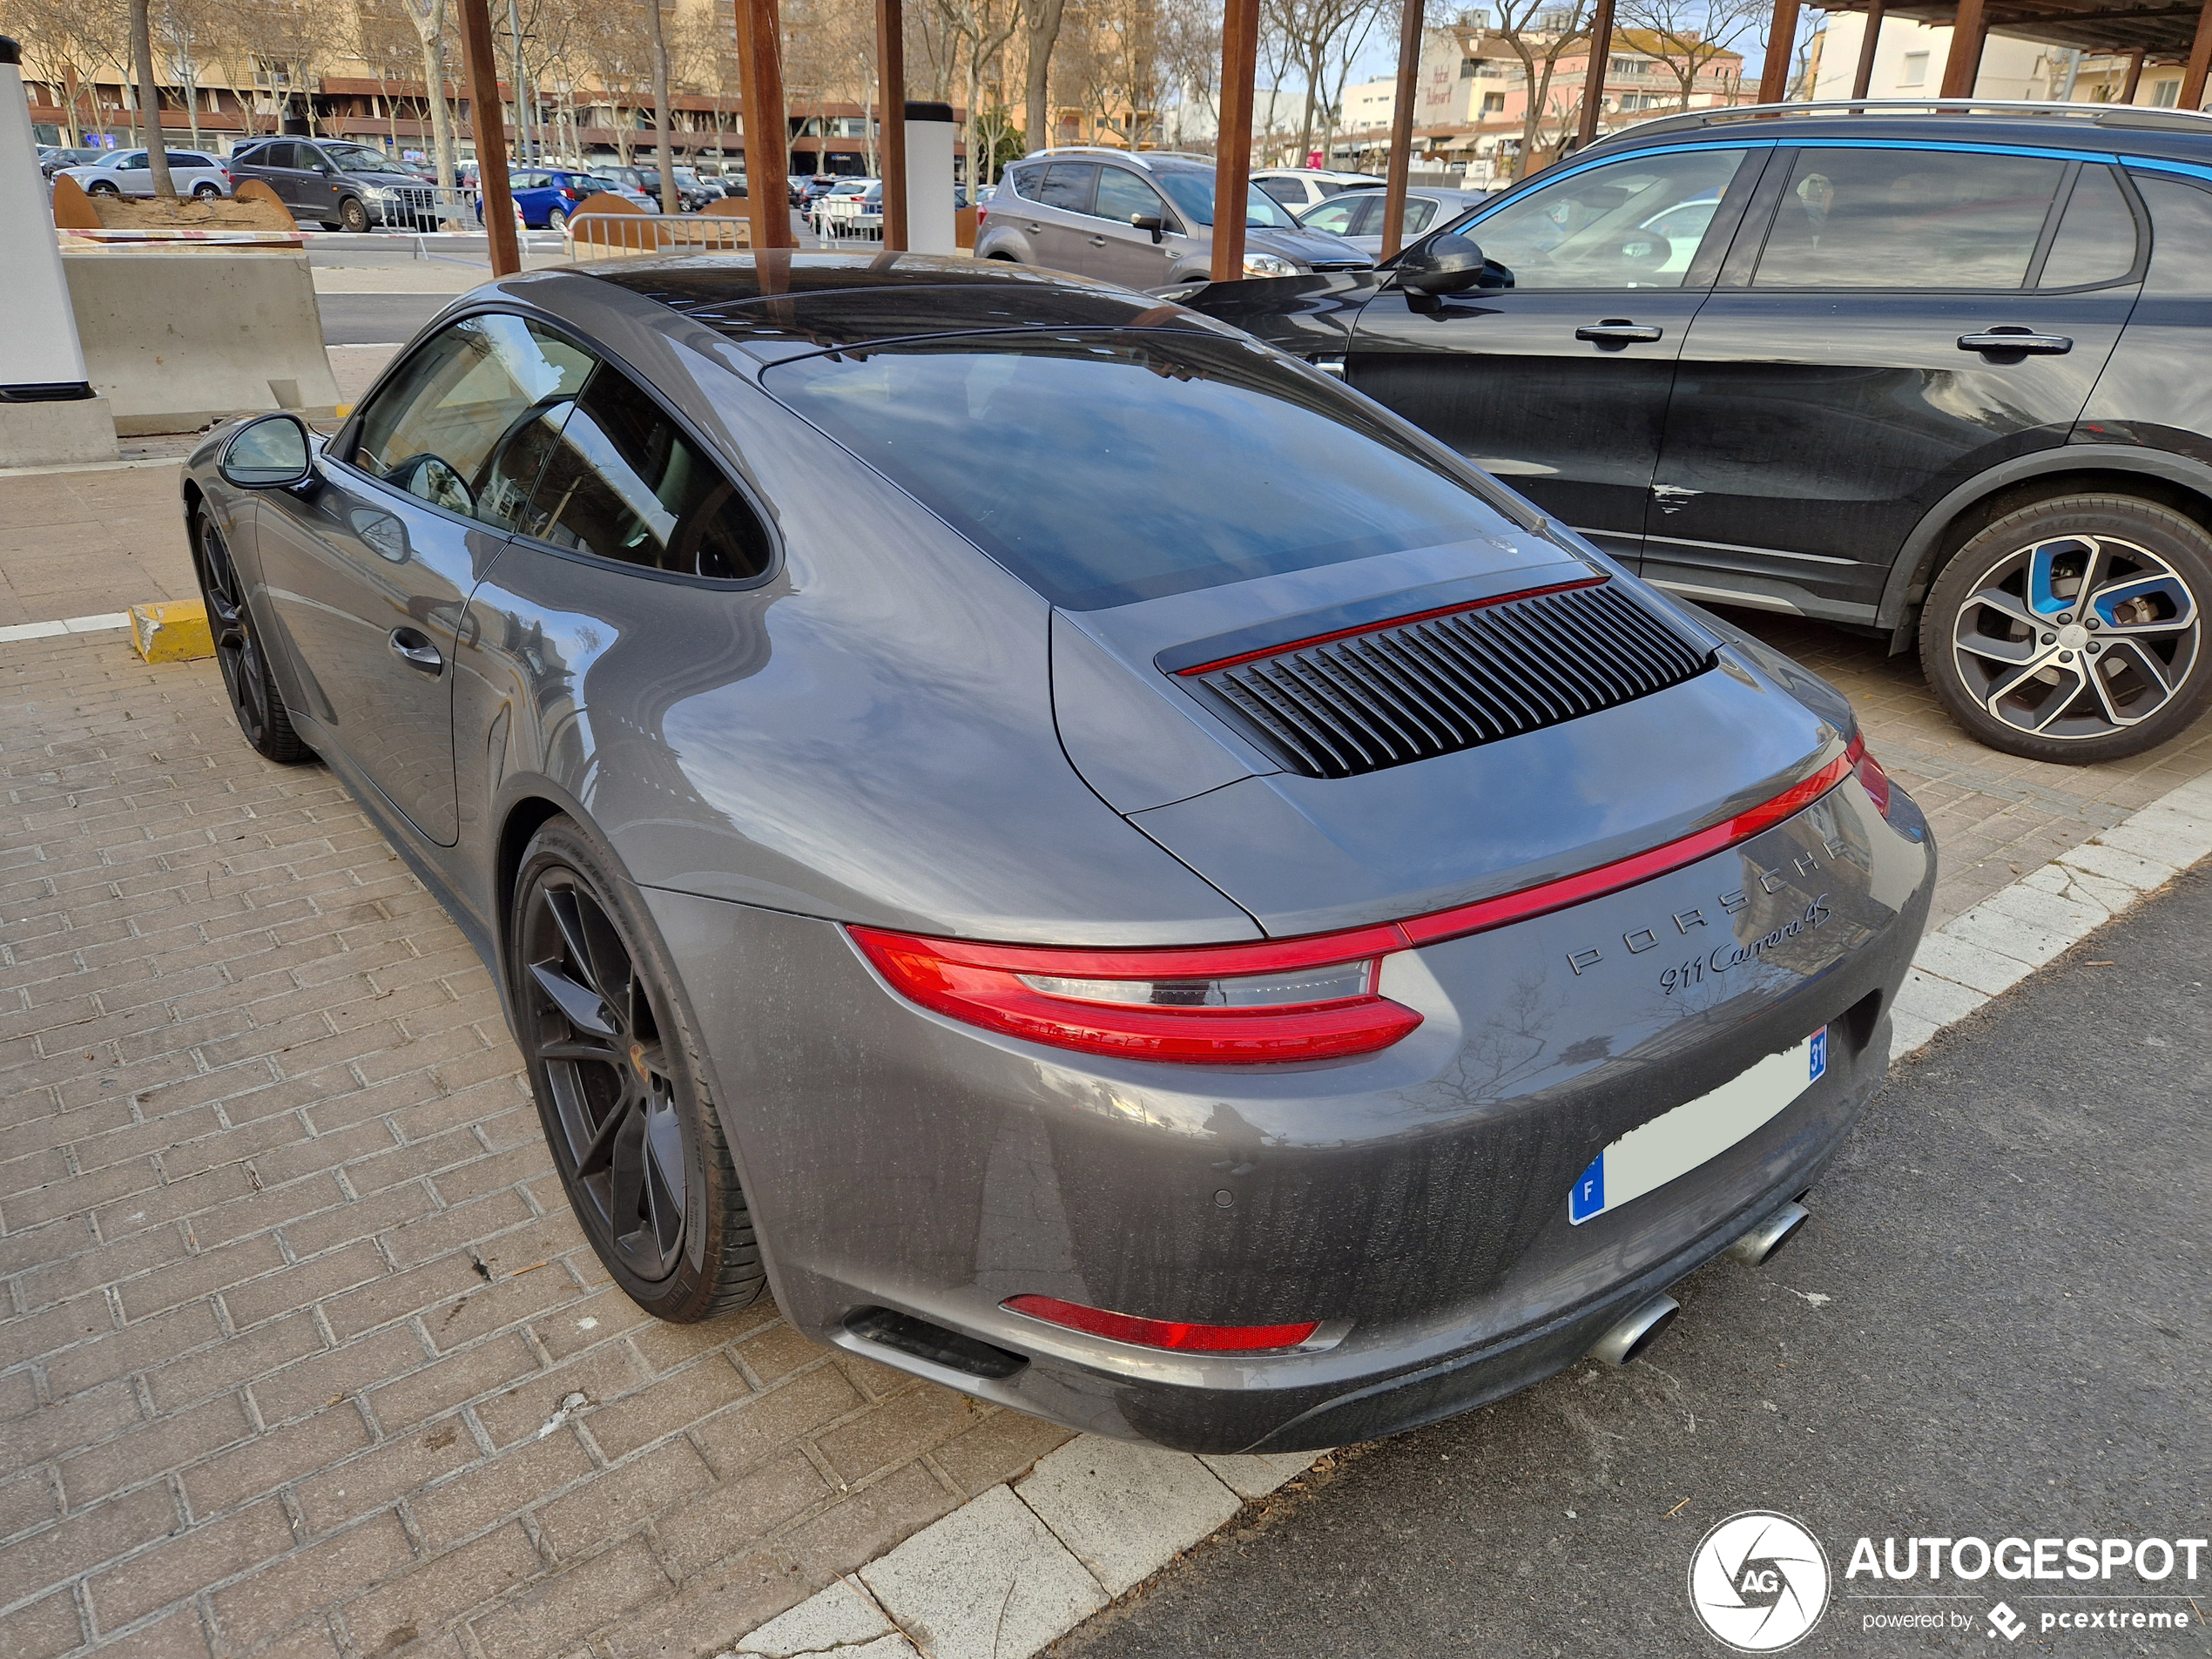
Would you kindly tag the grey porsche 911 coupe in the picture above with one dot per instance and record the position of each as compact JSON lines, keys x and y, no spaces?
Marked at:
{"x":1104,"y":867}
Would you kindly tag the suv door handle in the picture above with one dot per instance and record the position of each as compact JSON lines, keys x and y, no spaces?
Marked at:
{"x":2011,"y":337}
{"x":1617,"y":331}
{"x":1098,"y":241}
{"x":417,"y":650}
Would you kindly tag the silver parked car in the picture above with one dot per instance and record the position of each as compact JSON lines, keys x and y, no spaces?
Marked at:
{"x":1357,"y":216}
{"x":128,"y":172}
{"x":1144,"y":219}
{"x":1166,"y":900}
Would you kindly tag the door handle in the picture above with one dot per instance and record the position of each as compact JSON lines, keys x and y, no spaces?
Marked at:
{"x":417,"y":651}
{"x":1617,"y":331}
{"x":2011,"y":337}
{"x":1036,"y":230}
{"x":1098,"y":241}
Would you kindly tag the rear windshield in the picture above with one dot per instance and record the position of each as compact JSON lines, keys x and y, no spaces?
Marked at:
{"x":1103,"y":467}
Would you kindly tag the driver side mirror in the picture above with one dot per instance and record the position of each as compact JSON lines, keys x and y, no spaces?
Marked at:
{"x":271,"y":453}
{"x":1151,"y":222}
{"x":1445,"y":264}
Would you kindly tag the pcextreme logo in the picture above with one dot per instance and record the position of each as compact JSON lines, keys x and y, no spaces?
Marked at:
{"x":1758,"y":1582}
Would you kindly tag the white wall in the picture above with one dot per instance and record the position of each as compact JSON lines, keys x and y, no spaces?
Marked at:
{"x":2010,"y":69}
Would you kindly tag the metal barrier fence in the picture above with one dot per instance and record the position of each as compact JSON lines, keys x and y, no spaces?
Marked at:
{"x":840,"y":216}
{"x":428,"y":207}
{"x":614,"y":236}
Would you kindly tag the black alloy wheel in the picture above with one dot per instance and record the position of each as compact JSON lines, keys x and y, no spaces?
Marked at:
{"x":640,"y":1148}
{"x":352,"y":215}
{"x":2073,"y":629}
{"x":238,"y":652}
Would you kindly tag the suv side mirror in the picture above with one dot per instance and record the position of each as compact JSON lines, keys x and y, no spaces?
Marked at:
{"x":1446,"y":263}
{"x":271,"y":453}
{"x":1151,"y":222}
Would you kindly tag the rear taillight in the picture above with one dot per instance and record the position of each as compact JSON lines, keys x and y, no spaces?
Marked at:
{"x":1266,"y":1001}
{"x":981,"y":214}
{"x":1876,"y":781}
{"x":1173,"y":1334}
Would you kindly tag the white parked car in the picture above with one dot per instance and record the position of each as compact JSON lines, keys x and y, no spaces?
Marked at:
{"x":127,"y":172}
{"x":1299,"y":188}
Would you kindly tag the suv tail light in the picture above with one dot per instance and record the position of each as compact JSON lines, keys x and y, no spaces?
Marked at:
{"x":1173,"y":1334}
{"x":1267,"y":1000}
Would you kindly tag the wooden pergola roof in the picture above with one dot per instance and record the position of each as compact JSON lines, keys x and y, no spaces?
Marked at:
{"x":2156,"y":28}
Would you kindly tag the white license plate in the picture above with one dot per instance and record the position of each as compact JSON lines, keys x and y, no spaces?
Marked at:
{"x":1675,"y":1142}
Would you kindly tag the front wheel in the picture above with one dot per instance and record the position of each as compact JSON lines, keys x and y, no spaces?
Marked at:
{"x":103,"y":188}
{"x":352,"y":215}
{"x":2072,"y":630}
{"x":620,"y":1091}
{"x":239,"y":652}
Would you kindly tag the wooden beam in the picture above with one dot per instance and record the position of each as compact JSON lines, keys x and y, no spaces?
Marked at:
{"x":1862,"y":77}
{"x":1782,"y":44}
{"x":2200,"y":60}
{"x":485,"y":117}
{"x":1594,"y":82}
{"x":2134,"y":77}
{"x":1963,"y":66}
{"x":1233,"y":170}
{"x":891,"y":92}
{"x":1399,"y":172}
{"x":767,"y":127}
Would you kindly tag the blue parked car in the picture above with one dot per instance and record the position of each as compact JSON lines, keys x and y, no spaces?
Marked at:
{"x":548,"y":196}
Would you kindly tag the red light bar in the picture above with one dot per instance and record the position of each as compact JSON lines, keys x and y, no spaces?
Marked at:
{"x":1177,"y":1335}
{"x":1207,"y":1004}
{"x":1393,"y":622}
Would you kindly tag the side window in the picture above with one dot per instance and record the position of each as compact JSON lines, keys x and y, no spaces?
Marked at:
{"x":1288,"y":192}
{"x":1635,"y":224}
{"x":1908,"y":218}
{"x":1067,"y":184}
{"x":276,"y":155}
{"x":1419,"y":214}
{"x":2096,"y":239}
{"x":134,"y":164}
{"x":2180,"y":239}
{"x":1123,"y":195}
{"x":1334,"y":217}
{"x":468,"y":420}
{"x":624,"y":483}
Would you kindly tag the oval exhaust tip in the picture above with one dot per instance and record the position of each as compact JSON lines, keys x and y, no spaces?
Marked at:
{"x":1631,"y":1336}
{"x":1760,"y":1244}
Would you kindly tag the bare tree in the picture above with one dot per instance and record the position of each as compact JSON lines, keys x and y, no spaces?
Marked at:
{"x":1315,"y":34}
{"x":657,"y":34}
{"x":1539,"y":33}
{"x":1044,"y":19}
{"x":428,"y":17}
{"x":165,"y":187}
{"x":64,"y":42}
{"x":1687,"y":35}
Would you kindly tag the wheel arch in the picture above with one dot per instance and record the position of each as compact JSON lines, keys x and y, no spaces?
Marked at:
{"x":2156,"y":476}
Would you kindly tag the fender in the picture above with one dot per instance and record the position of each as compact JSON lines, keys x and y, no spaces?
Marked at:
{"x":1910,"y":574}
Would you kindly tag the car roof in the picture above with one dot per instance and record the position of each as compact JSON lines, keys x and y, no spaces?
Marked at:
{"x":835,"y":299}
{"x":2106,"y":128}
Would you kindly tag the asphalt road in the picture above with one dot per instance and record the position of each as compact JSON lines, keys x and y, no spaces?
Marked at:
{"x":1995,"y":1326}
{"x":376,"y":318}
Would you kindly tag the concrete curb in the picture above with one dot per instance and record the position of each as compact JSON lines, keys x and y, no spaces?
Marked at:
{"x":1009,"y":1572}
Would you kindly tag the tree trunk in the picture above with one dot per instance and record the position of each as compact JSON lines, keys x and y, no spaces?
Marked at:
{"x":657,"y":36}
{"x":434,"y":83}
{"x":1044,"y":35}
{"x":165,"y":187}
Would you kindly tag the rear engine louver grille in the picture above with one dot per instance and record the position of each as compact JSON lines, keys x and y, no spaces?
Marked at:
{"x":1407,"y":691}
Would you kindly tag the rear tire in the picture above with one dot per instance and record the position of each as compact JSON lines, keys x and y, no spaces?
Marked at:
{"x":557,"y":219}
{"x":205,"y":192}
{"x":620,"y":1087}
{"x":2073,"y":629}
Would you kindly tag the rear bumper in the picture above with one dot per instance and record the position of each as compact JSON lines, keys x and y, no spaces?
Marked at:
{"x":1415,"y":1201}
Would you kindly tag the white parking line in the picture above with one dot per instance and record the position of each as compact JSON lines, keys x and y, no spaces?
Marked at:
{"x":67,"y":625}
{"x":1045,"y":1549}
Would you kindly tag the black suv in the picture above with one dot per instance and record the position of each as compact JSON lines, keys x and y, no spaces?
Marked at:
{"x":1940,"y":374}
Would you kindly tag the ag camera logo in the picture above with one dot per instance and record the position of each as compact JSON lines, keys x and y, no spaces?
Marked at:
{"x":1759,"y":1582}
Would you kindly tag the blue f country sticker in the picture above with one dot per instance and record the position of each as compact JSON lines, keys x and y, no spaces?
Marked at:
{"x":1819,"y":1055}
{"x":1589,"y":1197}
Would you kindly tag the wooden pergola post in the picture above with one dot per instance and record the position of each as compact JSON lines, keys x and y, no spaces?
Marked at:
{"x":1782,"y":43}
{"x":2200,"y":60}
{"x":2134,"y":77}
{"x":484,"y":116}
{"x":1862,"y":77}
{"x":1232,"y":169}
{"x":1594,"y":82}
{"x":1399,"y":172}
{"x":891,"y":94}
{"x":767,"y":136}
{"x":1963,"y":67}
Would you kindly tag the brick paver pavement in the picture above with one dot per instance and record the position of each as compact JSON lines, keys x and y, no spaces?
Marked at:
{"x":301,"y":1352}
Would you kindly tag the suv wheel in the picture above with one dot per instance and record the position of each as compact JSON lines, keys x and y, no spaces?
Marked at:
{"x":619,"y":1088}
{"x":205,"y":192}
{"x":101,"y":187}
{"x":2073,"y":630}
{"x":353,"y":215}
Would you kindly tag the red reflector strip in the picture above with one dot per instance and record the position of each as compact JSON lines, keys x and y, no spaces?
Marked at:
{"x":1163,"y":1333}
{"x":1391,"y":622}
